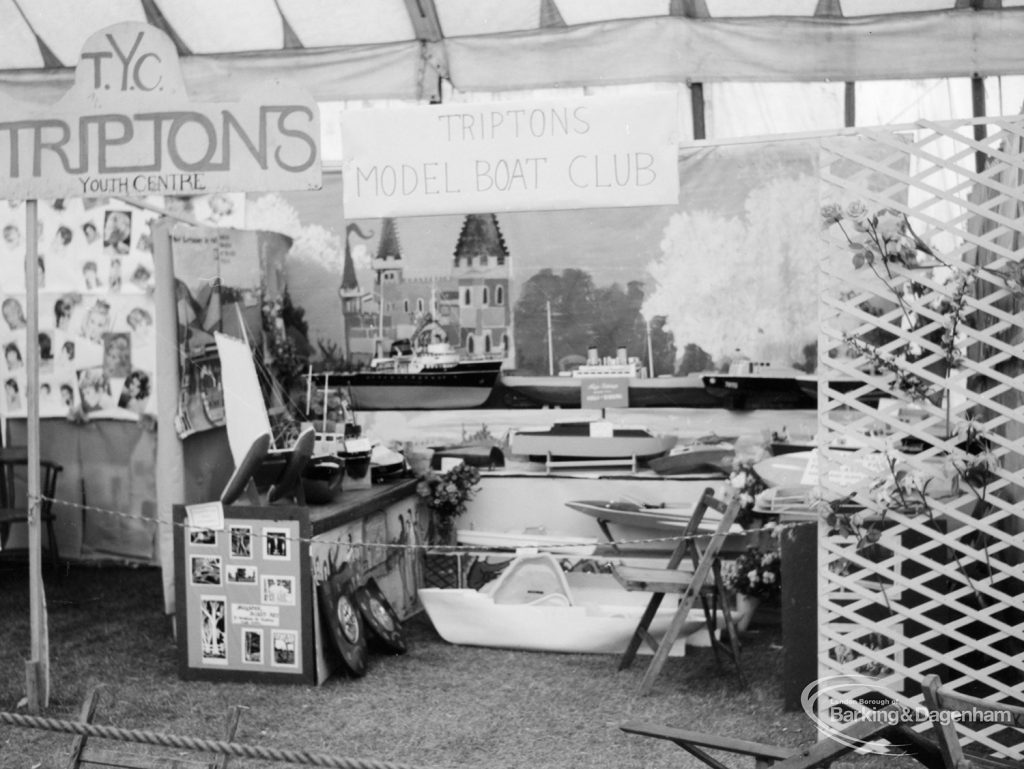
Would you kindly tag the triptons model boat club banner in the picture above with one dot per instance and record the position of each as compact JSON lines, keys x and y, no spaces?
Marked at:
{"x":587,"y":152}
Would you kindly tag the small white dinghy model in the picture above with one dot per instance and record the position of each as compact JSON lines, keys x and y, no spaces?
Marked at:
{"x":535,"y":606}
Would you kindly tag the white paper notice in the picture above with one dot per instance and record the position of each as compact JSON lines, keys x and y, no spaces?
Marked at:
{"x":208,"y":515}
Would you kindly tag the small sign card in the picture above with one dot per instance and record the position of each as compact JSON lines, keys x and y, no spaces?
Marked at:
{"x":208,"y":515}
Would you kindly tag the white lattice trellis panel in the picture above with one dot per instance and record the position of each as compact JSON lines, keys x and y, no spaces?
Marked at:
{"x":920,"y":361}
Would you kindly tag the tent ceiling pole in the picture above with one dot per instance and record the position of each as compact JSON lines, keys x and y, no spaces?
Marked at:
{"x":979,"y":110}
{"x":423,"y":14}
{"x":697,"y":108}
{"x":690,"y":9}
{"x":427,"y":27}
{"x":850,"y":104}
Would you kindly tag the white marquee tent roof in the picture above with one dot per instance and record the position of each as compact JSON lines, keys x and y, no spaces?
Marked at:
{"x":401,"y":49}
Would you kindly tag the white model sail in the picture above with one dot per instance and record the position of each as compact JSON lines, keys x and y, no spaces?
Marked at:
{"x":245,"y":412}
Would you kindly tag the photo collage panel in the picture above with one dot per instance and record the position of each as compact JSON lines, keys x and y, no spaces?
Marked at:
{"x":95,"y":281}
{"x":244,"y":582}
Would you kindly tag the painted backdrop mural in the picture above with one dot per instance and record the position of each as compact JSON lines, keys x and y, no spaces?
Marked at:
{"x":728,"y":271}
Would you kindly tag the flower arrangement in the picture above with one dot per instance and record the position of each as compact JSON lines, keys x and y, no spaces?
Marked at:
{"x":755,"y":573}
{"x":884,"y":236}
{"x":746,"y":484}
{"x":446,"y":495}
{"x":934,"y":314}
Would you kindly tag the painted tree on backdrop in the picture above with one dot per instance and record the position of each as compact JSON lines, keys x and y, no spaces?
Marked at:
{"x":749,"y":283}
{"x":582,"y":316}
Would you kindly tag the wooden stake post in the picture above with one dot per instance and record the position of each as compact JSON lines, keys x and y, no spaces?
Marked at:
{"x":37,"y":669}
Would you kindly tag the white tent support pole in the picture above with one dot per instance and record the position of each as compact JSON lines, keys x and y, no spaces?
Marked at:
{"x":170,"y":457}
{"x":650,"y":349}
{"x":327,"y":379}
{"x":551,"y":344}
{"x":309,"y":389}
{"x":37,"y":670}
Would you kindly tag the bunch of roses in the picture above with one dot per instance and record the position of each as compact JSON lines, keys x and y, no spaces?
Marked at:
{"x":755,"y":573}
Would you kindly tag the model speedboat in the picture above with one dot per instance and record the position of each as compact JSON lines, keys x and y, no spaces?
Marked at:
{"x":693,"y":458}
{"x":645,"y":528}
{"x":660,"y":517}
{"x":588,"y":441}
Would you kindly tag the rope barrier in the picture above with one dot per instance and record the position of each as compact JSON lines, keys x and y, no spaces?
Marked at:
{"x":453,"y":549}
{"x":194,"y":743}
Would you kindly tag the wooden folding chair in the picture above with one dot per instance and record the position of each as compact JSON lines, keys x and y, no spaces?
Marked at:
{"x":85,"y":753}
{"x":14,"y":506}
{"x":947,"y":707}
{"x":705,"y":583}
{"x":820,"y":754}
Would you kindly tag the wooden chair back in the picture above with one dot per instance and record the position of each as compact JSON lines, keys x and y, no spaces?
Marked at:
{"x":13,"y":496}
{"x":947,"y":707}
{"x":704,"y":583}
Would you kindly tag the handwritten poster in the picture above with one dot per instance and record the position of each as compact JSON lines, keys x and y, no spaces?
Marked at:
{"x":593,"y":152}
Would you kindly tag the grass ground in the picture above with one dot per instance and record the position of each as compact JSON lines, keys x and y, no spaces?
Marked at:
{"x":437,"y":706}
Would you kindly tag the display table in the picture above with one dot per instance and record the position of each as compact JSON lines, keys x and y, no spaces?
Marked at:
{"x":246,"y":596}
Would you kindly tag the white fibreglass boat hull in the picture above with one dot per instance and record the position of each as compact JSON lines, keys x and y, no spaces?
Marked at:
{"x":601,"y":619}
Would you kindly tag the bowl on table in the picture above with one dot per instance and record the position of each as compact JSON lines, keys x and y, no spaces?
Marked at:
{"x":321,"y":479}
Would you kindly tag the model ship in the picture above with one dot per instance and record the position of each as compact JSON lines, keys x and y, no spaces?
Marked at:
{"x":565,"y":389}
{"x":425,"y":372}
{"x":755,"y":384}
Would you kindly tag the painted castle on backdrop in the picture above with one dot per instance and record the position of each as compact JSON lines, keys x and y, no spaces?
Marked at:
{"x":470,"y":303}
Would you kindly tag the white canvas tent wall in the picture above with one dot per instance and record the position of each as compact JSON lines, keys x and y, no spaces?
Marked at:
{"x":342,"y":50}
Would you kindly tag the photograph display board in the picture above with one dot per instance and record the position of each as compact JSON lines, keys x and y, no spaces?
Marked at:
{"x":243,"y":597}
{"x":96,"y":335}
